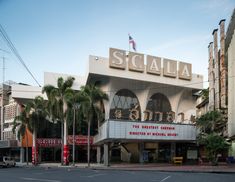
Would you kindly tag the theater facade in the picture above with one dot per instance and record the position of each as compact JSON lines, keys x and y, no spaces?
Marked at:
{"x":149,"y":116}
{"x":151,"y":110}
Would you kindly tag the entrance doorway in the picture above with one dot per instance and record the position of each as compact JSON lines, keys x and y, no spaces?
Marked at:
{"x":164,"y":152}
{"x":51,"y":154}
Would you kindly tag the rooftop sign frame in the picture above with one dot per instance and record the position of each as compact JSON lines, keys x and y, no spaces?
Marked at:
{"x":119,"y":59}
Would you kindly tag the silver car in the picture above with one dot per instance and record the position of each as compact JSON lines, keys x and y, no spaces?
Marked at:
{"x":6,"y":161}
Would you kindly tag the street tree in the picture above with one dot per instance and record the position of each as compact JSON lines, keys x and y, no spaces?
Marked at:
{"x":211,"y":126}
{"x":57,"y":108}
{"x":90,"y":98}
{"x":21,"y":124}
{"x":37,"y":117}
{"x":214,"y":144}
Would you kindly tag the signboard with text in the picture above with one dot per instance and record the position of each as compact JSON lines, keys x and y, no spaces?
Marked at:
{"x":48,"y":142}
{"x":56,"y":142}
{"x":79,"y":140}
{"x":147,"y":131}
{"x":120,"y":59}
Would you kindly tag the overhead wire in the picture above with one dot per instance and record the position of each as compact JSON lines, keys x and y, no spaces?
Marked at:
{"x":16,"y":53}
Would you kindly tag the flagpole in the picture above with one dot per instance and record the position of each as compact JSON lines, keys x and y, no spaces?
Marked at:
{"x":129,"y":42}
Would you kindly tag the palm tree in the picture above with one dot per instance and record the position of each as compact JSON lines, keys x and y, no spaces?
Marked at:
{"x":57,"y":108}
{"x":37,"y":115}
{"x":21,"y":123}
{"x":73,"y":103}
{"x":90,"y":98}
{"x":211,"y":122}
{"x":212,"y":125}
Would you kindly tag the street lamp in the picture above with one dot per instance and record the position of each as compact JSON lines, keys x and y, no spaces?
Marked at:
{"x":75,"y":106}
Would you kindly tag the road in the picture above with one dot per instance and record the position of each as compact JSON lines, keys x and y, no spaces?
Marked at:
{"x":88,"y":175}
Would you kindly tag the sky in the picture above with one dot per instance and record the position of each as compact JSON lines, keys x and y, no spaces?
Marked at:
{"x":59,"y":35}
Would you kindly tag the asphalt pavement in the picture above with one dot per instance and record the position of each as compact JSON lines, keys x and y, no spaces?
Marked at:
{"x":58,"y":174}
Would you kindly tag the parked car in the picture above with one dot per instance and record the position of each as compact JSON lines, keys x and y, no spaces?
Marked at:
{"x":6,"y":161}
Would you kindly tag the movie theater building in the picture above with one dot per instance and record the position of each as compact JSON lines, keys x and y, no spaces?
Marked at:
{"x":151,"y":109}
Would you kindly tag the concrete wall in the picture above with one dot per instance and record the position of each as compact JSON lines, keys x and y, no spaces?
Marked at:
{"x":51,"y":78}
{"x":180,"y":98}
{"x":133,"y":149}
{"x":231,"y":87}
{"x":100,"y":66}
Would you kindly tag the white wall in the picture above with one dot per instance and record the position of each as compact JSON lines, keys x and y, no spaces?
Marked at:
{"x":231,"y":87}
{"x":180,"y":98}
{"x":100,"y":66}
{"x":51,"y":79}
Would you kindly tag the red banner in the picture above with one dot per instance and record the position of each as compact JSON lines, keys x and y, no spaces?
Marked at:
{"x":79,"y":139}
{"x":56,"y":142}
{"x":48,"y":142}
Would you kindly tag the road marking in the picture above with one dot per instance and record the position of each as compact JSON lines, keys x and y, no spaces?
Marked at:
{"x":94,"y":175}
{"x":162,"y":179}
{"x":43,"y":180}
{"x":165,"y":178}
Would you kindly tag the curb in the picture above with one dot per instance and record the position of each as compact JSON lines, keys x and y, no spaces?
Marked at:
{"x":130,"y":169}
{"x":164,"y":170}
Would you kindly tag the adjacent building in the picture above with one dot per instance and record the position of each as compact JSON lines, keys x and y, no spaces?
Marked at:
{"x":222,"y":79}
{"x":230,"y":61}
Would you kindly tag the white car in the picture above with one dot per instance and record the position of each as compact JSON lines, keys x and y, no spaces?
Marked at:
{"x":7,"y":161}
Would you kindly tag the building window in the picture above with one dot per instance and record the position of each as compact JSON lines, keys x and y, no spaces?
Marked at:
{"x":125,"y":106}
{"x":159,"y":109}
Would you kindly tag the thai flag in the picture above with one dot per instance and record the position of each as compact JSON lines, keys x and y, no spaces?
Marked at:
{"x":131,"y":41}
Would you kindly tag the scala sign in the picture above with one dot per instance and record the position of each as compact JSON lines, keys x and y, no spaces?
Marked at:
{"x":118,"y":59}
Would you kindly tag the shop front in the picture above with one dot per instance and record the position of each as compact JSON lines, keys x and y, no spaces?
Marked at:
{"x":49,"y":149}
{"x":146,"y":141}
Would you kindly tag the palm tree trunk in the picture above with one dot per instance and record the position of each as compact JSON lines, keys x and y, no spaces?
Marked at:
{"x":88,"y":143}
{"x":62,"y":143}
{"x":66,"y":150}
{"x":27,"y":149}
{"x":34,"y":146}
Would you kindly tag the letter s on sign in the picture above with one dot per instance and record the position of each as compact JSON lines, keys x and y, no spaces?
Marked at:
{"x":119,"y":60}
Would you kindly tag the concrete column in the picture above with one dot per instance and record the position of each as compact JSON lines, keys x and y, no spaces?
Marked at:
{"x":22,"y":155}
{"x":106,"y":154}
{"x":217,"y":71}
{"x":173,"y":147}
{"x":211,"y":77}
{"x":223,"y":67}
{"x":141,"y":149}
{"x":98,"y":154}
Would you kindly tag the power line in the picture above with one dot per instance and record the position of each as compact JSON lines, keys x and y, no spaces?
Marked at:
{"x":16,"y":53}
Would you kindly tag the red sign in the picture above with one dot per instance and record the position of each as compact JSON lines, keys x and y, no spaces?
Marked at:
{"x":49,"y":142}
{"x":79,"y":140}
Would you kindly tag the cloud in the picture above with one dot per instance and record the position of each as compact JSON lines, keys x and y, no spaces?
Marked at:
{"x":210,"y":6}
{"x":175,"y":44}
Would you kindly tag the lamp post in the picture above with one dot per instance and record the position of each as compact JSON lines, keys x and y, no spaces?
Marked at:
{"x":75,"y":106}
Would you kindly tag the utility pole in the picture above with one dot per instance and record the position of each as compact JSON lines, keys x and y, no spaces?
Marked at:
{"x":2,"y":100}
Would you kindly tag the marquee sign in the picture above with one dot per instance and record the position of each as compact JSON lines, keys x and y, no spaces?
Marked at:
{"x":118,"y":59}
{"x":145,"y":131}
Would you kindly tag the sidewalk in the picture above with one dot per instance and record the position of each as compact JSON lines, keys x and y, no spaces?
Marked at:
{"x":205,"y":168}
